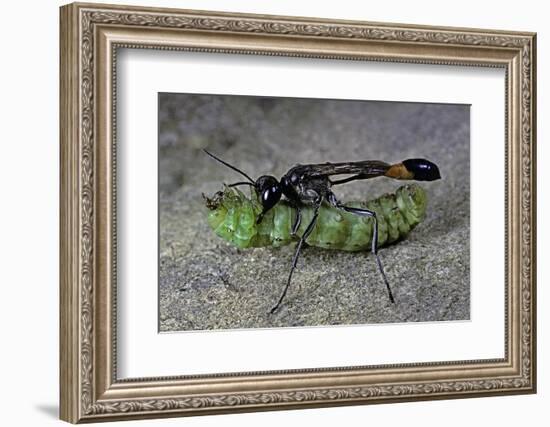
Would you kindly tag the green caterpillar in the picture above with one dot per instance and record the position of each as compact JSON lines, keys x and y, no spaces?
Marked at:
{"x":233,"y":217}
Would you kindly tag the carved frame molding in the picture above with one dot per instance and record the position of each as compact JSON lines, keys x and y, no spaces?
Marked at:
{"x":90,"y":36}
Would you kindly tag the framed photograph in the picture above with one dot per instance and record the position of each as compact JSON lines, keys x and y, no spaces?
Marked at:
{"x":266,"y":212}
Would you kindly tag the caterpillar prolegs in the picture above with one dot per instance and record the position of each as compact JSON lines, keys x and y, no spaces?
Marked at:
{"x":233,"y":217}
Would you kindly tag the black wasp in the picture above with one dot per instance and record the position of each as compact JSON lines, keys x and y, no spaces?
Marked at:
{"x":312,"y":185}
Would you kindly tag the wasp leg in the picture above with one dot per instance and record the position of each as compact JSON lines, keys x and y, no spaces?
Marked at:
{"x":368,"y":213}
{"x":297,"y":221}
{"x":306,"y":234}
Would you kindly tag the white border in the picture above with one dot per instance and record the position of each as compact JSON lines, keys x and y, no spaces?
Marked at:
{"x":142,"y":352}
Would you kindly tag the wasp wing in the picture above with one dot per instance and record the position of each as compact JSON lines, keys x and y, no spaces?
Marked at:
{"x":360,"y":170}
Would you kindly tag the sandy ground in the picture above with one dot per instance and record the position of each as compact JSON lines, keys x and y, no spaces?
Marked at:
{"x":207,"y":284}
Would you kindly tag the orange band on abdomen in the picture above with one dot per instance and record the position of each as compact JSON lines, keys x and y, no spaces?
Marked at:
{"x":399,"y":171}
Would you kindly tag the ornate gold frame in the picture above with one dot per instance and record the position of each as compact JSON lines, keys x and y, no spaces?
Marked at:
{"x":90,"y":35}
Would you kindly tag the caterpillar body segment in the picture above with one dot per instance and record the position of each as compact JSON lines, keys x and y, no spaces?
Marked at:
{"x":233,"y":217}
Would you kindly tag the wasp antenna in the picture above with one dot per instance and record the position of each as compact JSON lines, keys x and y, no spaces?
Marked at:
{"x":229,"y":166}
{"x":236,"y":184}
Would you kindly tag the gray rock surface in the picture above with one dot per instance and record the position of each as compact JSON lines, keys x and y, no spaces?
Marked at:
{"x":205,"y":283}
